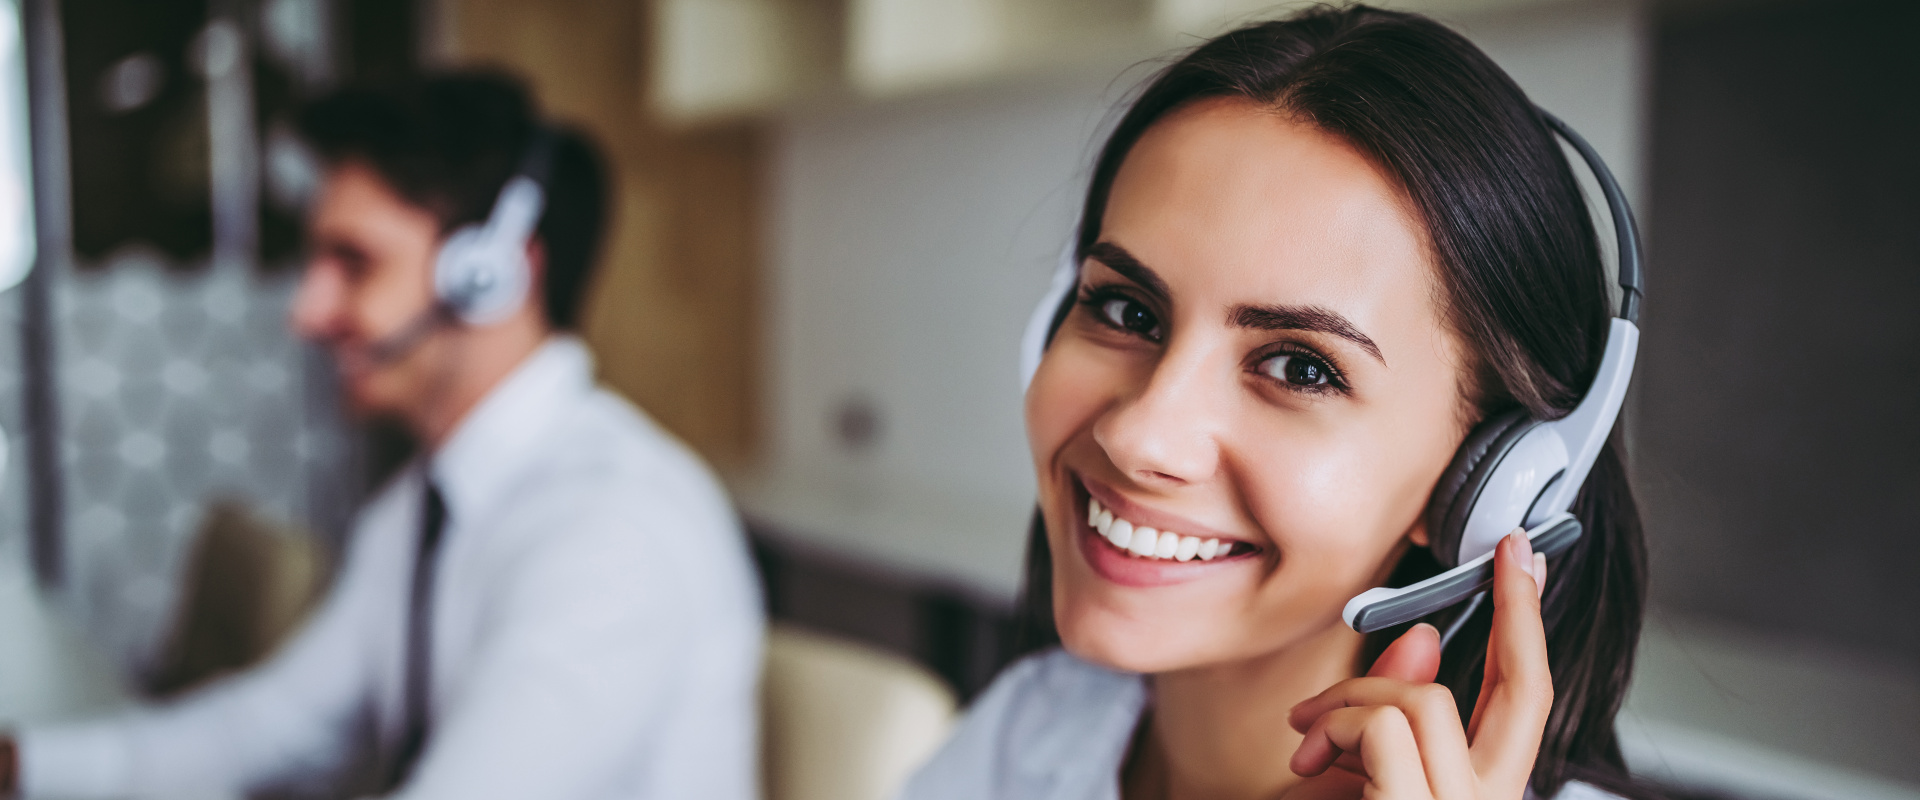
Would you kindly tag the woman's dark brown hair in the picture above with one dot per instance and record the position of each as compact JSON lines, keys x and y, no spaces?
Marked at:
{"x":1523,"y":285}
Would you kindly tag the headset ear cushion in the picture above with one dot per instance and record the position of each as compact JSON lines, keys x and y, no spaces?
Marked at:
{"x":477,"y":279}
{"x":1475,"y":461}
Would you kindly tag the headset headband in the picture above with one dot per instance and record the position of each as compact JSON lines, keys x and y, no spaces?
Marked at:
{"x":480,"y":274}
{"x":537,"y":161}
{"x":1626,"y":232}
{"x":1516,"y":470}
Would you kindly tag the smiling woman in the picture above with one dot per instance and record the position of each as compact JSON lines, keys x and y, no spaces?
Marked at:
{"x":1314,"y":254}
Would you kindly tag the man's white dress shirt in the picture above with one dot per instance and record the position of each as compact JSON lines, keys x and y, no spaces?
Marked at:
{"x":596,"y":630}
{"x":1054,"y":727}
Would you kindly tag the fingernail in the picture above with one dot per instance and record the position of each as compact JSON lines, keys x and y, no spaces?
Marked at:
{"x":1540,"y":574}
{"x":1430,"y":629}
{"x":1522,"y":551}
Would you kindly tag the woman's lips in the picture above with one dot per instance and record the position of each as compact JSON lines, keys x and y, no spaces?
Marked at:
{"x":1146,"y":541}
{"x":1139,"y":515}
{"x":1150,"y":557}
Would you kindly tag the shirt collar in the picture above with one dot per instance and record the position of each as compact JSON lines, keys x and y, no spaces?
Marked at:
{"x":1092,"y":717}
{"x":496,"y":437}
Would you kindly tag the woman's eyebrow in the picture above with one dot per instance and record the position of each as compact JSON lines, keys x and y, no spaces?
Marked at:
{"x":1119,"y":260}
{"x":1257,"y":317}
{"x":1302,"y":318}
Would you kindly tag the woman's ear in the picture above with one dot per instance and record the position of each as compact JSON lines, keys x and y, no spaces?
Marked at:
{"x":537,"y":260}
{"x":537,"y":277}
{"x":1417,"y":535}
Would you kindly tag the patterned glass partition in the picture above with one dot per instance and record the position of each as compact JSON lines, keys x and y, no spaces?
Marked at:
{"x":179,"y":387}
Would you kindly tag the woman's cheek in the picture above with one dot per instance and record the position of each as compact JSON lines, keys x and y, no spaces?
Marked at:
{"x":1326,"y":508}
{"x":1067,"y":392}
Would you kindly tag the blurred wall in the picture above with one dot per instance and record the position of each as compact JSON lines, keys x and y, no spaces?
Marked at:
{"x":1780,"y":451}
{"x":673,"y":315}
{"x":910,"y":241}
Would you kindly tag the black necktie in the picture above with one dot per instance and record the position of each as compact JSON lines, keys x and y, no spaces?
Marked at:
{"x":413,"y":731}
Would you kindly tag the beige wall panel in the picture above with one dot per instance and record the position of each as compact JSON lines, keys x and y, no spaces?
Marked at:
{"x":671,"y":315}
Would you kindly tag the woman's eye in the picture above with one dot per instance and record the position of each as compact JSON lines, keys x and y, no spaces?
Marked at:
{"x":1296,"y":370}
{"x":1129,"y":315}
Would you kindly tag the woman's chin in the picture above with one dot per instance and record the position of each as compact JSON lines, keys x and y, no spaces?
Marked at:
{"x":1171,"y":637}
{"x":1139,"y":645}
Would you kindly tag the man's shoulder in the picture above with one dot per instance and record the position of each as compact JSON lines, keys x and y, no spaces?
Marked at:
{"x":609,"y":480}
{"x":609,"y":435}
{"x":392,"y":508}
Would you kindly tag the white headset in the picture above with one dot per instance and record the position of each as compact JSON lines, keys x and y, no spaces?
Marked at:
{"x":480,"y":274}
{"x":1512,"y":471}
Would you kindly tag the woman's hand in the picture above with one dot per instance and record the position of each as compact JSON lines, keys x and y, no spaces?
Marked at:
{"x":1400,"y":732}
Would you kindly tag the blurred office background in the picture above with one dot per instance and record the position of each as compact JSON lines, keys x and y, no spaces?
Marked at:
{"x":833,"y":219}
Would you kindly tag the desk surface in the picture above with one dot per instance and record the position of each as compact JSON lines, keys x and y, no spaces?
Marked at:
{"x":973,"y":546}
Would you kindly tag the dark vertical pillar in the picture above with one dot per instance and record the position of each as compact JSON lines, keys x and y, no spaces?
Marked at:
{"x":1779,"y":448}
{"x":964,"y":641}
{"x":946,"y":627}
{"x":46,"y":92}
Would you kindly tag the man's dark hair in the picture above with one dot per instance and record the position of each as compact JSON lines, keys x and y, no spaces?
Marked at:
{"x":448,"y":142}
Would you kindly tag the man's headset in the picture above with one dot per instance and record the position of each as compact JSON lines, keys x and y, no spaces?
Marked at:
{"x":1513,"y":471}
{"x":480,"y":274}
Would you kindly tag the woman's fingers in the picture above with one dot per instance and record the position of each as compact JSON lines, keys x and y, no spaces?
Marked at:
{"x":1491,"y":672}
{"x":1390,"y":758}
{"x":1402,"y":731}
{"x":1414,"y":657}
{"x":1430,"y":713}
{"x":1518,"y":693}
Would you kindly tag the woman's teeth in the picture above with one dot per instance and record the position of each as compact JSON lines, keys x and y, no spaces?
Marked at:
{"x":1146,"y":542}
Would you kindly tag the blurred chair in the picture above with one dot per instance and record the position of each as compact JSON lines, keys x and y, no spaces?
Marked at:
{"x":249,"y":582}
{"x":842,"y":721}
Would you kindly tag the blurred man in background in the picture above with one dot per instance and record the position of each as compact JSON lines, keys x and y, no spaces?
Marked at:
{"x":555,"y":599}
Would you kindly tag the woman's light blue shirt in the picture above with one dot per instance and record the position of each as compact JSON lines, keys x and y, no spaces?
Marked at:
{"x":1054,"y":727}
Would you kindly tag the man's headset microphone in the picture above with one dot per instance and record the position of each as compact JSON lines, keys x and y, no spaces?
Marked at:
{"x":1512,"y":471}
{"x":480,"y":274}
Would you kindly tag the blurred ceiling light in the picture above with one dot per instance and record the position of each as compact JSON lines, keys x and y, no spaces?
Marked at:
{"x":17,"y":244}
{"x":1212,"y":17}
{"x":294,"y":32}
{"x":897,"y":45}
{"x":292,"y":169}
{"x":17,"y":241}
{"x":721,"y":58}
{"x":217,"y":51}
{"x":131,"y":83}
{"x":716,"y":57}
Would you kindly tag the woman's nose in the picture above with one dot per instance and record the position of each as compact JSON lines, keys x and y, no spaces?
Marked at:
{"x":1167,"y":433}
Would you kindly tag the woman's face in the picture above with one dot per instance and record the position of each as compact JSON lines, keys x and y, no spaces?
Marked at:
{"x":1258,"y":357}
